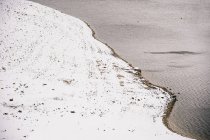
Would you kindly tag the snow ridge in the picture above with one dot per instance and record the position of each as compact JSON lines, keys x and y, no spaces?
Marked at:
{"x":58,"y":82}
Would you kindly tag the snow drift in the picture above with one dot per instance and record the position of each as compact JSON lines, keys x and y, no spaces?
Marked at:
{"x":57,"y":82}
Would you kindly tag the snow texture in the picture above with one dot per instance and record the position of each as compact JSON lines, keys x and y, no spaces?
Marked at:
{"x":57,"y":82}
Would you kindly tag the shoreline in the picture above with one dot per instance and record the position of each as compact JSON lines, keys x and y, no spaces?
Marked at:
{"x":138,"y":104}
{"x":153,"y":37}
{"x":169,"y":107}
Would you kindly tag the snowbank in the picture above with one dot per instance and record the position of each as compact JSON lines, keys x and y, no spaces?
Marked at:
{"x":58,"y":83}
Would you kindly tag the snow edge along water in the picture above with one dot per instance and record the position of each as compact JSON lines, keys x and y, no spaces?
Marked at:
{"x":131,"y":69}
{"x":169,"y":106}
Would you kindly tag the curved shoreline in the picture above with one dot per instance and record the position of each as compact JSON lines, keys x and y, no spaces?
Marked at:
{"x":126,"y":68}
{"x":169,"y":107}
{"x":155,"y":43}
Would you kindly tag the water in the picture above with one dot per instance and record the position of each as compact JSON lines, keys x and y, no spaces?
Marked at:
{"x":168,"y":40}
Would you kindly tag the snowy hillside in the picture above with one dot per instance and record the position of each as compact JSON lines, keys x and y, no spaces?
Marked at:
{"x":59,"y":83}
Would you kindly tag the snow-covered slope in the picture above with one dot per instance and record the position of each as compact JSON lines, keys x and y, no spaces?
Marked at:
{"x":59,"y":83}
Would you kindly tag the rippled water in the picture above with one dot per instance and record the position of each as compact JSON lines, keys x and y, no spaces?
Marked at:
{"x":168,"y":40}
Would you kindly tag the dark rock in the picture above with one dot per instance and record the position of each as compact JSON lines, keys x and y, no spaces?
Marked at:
{"x":3,"y":68}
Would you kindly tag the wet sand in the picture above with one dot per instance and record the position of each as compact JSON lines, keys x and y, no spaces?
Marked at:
{"x":167,"y":40}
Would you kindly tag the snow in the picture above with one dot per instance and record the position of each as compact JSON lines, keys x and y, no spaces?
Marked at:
{"x":58,"y":82}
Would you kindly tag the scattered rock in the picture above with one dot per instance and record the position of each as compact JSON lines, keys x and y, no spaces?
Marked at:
{"x":3,"y":68}
{"x":68,"y":82}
